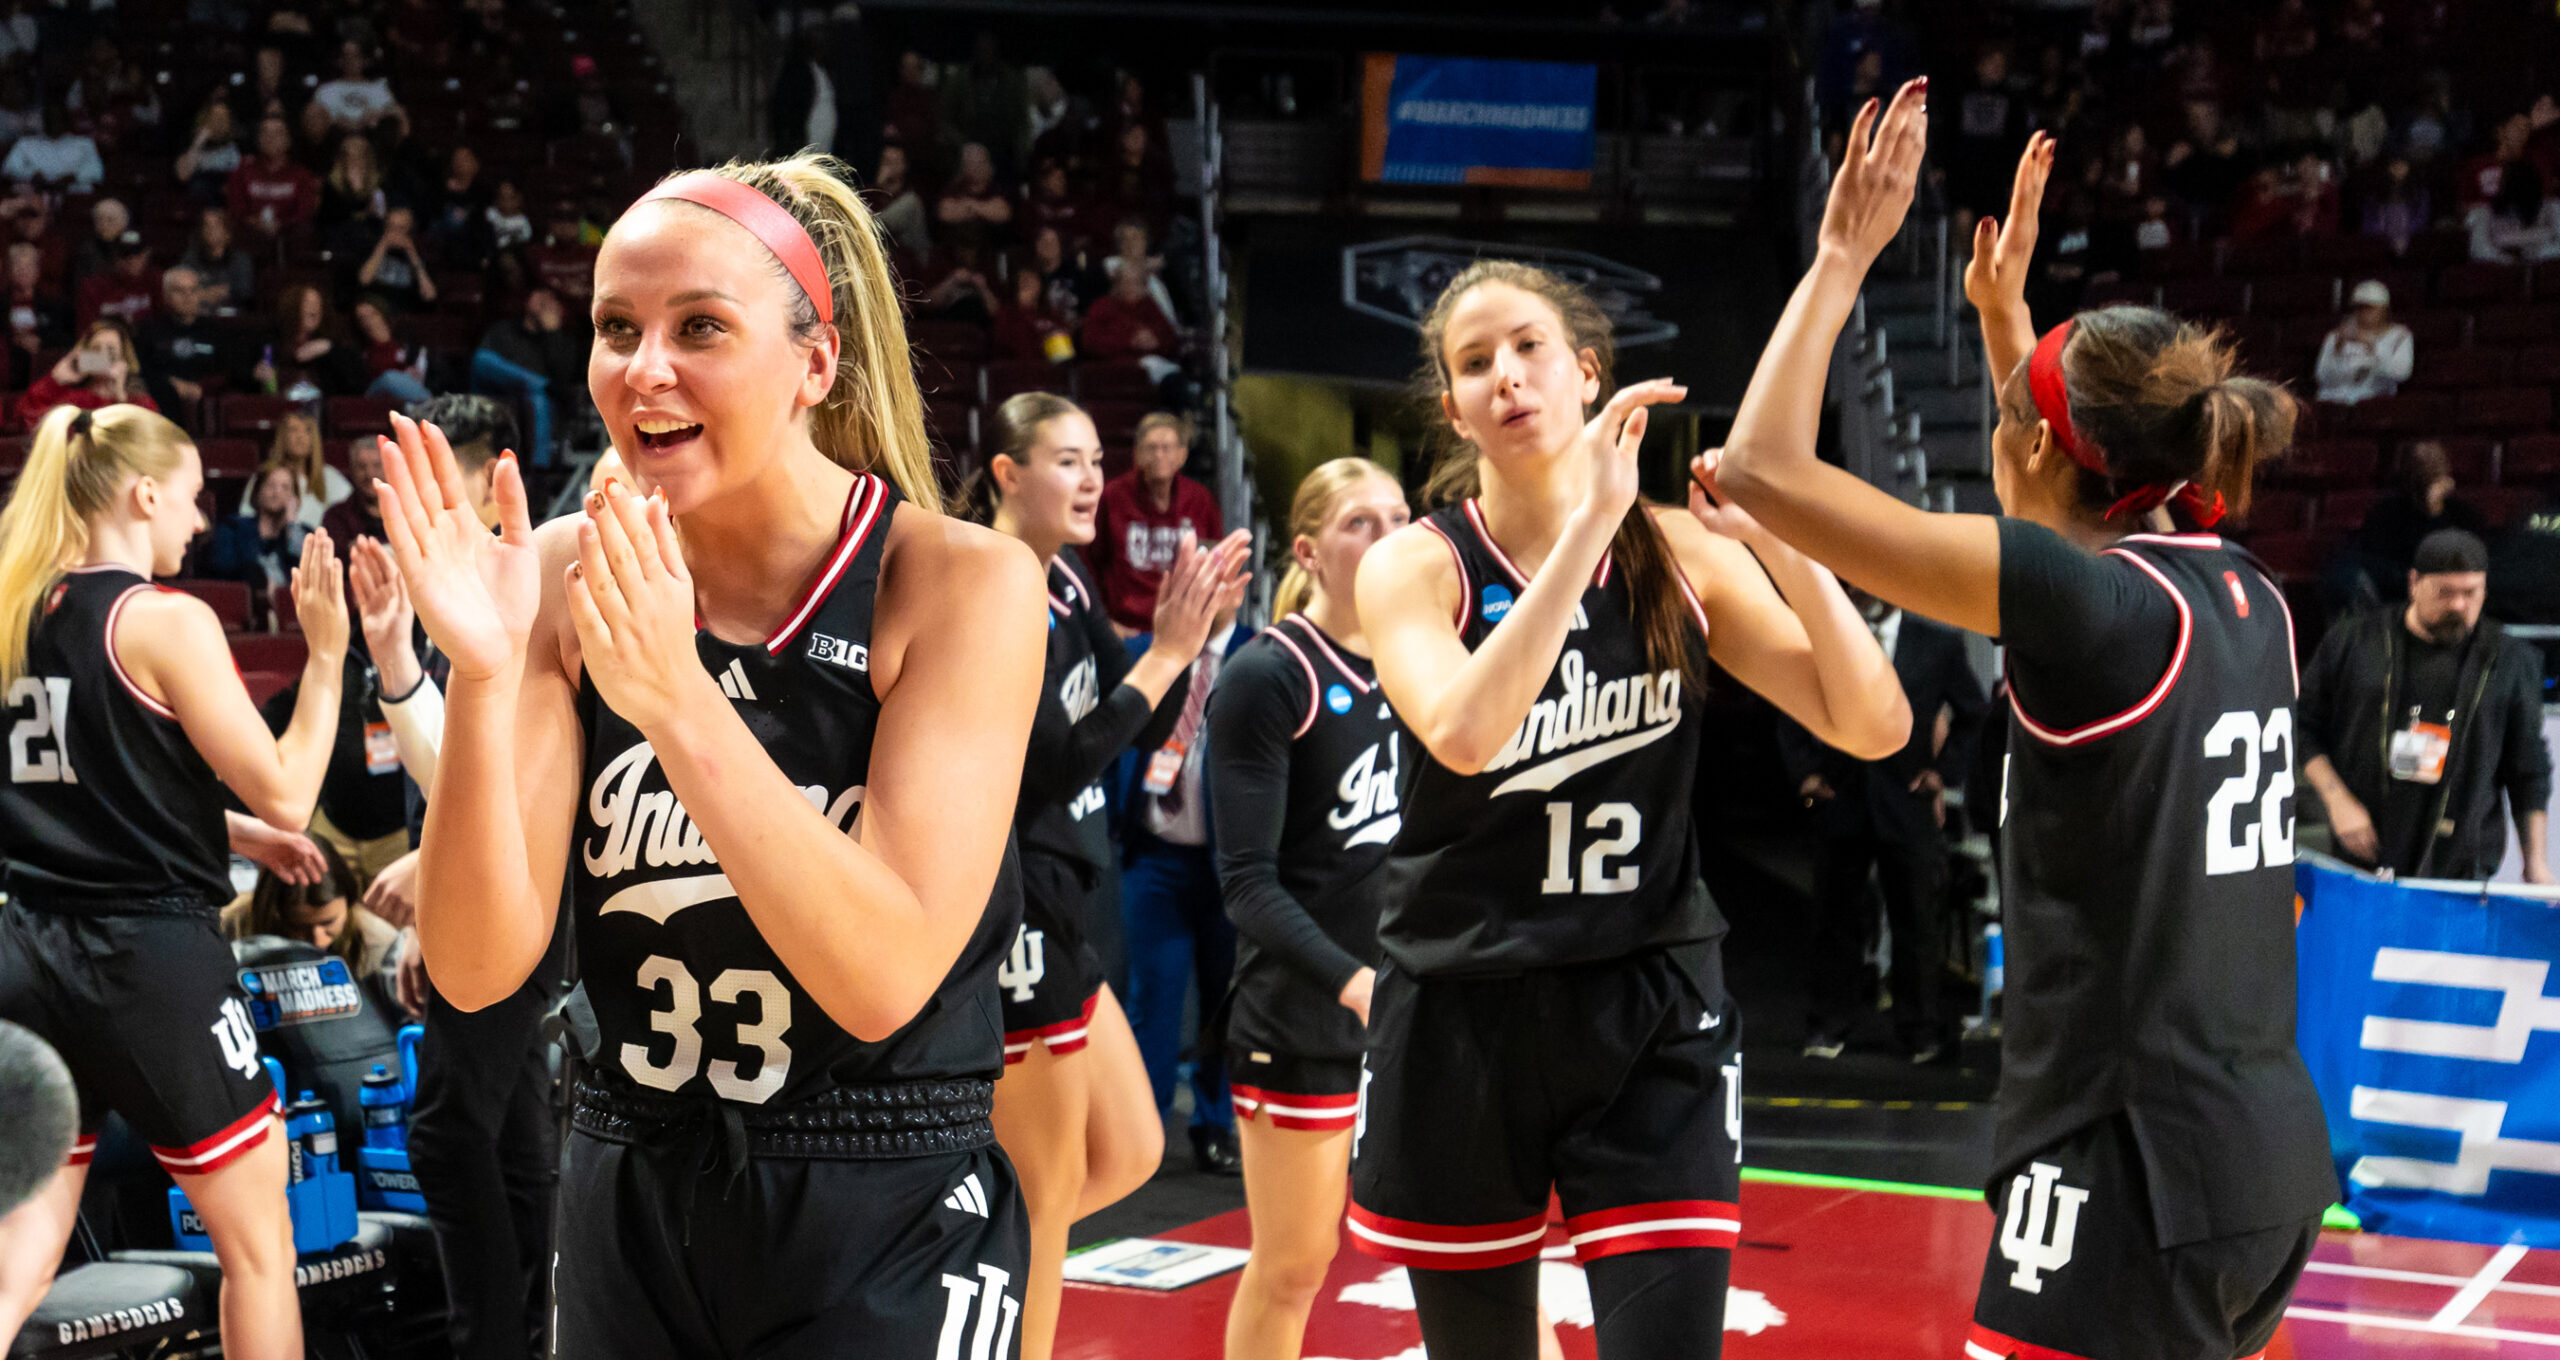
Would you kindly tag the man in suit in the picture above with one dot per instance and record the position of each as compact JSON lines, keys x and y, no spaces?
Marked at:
{"x":1886,"y":817}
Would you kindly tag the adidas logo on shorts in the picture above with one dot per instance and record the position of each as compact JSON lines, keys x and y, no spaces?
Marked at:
{"x":969,"y":1197}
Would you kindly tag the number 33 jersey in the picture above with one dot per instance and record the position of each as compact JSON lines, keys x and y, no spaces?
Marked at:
{"x":2147,"y":891}
{"x":689,"y":998}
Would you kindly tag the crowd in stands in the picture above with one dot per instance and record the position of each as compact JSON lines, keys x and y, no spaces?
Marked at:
{"x":2367,"y":194}
{"x":1029,"y":224}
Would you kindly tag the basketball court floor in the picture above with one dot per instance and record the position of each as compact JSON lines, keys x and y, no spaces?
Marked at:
{"x":1832,"y":1268}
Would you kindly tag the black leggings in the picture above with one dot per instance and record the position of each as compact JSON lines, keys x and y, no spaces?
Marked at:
{"x":1645,"y":1305}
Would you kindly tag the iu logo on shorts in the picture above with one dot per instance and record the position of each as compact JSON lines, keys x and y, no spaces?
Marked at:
{"x":239,"y":1042}
{"x":2042,"y":1205}
{"x":1025,"y":964}
{"x":996,"y":1310}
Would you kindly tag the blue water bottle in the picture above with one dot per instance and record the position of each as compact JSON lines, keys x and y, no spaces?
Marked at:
{"x":410,"y":1037}
{"x":386,"y":1109}
{"x":1995,"y":965}
{"x":312,"y":1139}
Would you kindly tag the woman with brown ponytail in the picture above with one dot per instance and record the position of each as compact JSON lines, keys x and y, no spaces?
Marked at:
{"x":1075,"y":1111}
{"x":1552,"y":1011}
{"x":761,"y":713}
{"x":2160,"y":1164}
{"x":127,"y":722}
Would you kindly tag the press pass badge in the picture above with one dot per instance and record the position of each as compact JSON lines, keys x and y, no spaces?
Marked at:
{"x":381,"y":750}
{"x":2418,"y":751}
{"x":1164,"y":767}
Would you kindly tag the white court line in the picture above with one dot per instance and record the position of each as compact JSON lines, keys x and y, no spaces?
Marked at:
{"x":2460,"y":1306}
{"x":2425,"y":1277}
{"x":2413,"y":1325}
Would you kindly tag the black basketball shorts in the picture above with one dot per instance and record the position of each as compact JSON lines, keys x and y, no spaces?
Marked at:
{"x":1293,"y":1092}
{"x":2075,"y":1270}
{"x":147,"y":1012}
{"x":661,"y":1258}
{"x":1050,"y":977}
{"x":1616,"y":1083}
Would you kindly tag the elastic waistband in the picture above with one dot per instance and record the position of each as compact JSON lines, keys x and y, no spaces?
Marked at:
{"x":871,"y":1122}
{"x":37,"y":898}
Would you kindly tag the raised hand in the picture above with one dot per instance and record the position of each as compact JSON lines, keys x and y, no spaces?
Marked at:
{"x":1609,"y":444}
{"x":382,"y":601}
{"x":476,"y":591}
{"x":631,"y":599}
{"x":1995,"y":282}
{"x":1715,"y":509}
{"x":1200,"y":585}
{"x":319,"y":597}
{"x":1879,"y":168}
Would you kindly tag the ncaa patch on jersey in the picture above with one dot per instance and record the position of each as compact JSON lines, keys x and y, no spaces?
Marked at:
{"x":1497,"y":602}
{"x":1337,"y":698}
{"x":850,"y":655}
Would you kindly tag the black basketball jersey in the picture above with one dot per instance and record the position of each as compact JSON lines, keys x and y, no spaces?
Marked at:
{"x":2147,"y":895}
{"x":1574,"y":843}
{"x":1071,"y":681}
{"x":106,"y":798}
{"x":1342,"y":811}
{"x":689,"y":998}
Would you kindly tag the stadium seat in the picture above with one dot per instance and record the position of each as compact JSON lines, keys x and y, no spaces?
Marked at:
{"x":230,"y":457}
{"x":2511,"y":410}
{"x":281,"y":652}
{"x":2404,"y":413}
{"x":1117,"y":421}
{"x":2360,"y":256}
{"x":952,"y":425}
{"x":954,"y":379}
{"x":2258,"y":259}
{"x":2435,"y":328}
{"x":13,"y":453}
{"x":2277,"y":512}
{"x":2456,"y":368}
{"x":1005,"y":377}
{"x":2521,"y":324}
{"x":230,"y":599}
{"x":2531,"y":458}
{"x":2287,"y":554}
{"x":2118,"y":292}
{"x":948,"y":339}
{"x":2332,"y":461}
{"x":2504,"y":505}
{"x":2294,"y":295}
{"x":113,"y":1308}
{"x":2344,"y":509}
{"x":1114,"y":380}
{"x":2538,"y":365}
{"x":2477,"y":285}
{"x":2470,"y":457}
{"x":2205,"y":297}
{"x":2178,"y":261}
{"x":347,"y":417}
{"x":252,"y":414}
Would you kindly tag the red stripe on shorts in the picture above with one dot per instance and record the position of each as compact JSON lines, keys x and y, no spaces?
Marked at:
{"x":216,"y":1151}
{"x":1319,"y":1113}
{"x":1654,"y":1227}
{"x":1986,"y":1344}
{"x":1063,"y":1038}
{"x":1436,"y":1246}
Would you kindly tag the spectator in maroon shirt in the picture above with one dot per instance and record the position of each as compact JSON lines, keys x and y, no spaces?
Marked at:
{"x":1053,"y":206}
{"x":1139,"y":179}
{"x":563,"y":262}
{"x":2482,"y":176}
{"x":1126,"y":323}
{"x":974,"y":210}
{"x":272,"y":194}
{"x":1031,"y":328}
{"x":915,"y":114}
{"x":128,"y":291}
{"x":1143,"y":516}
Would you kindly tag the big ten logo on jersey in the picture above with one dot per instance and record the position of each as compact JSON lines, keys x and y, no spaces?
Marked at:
{"x":853,"y":656}
{"x":2043,"y":1218}
{"x":2249,"y":822}
{"x":1025,"y":964}
{"x":989,"y":1334}
{"x":1088,"y":801}
{"x":1080,"y":691}
{"x":37,"y":707}
{"x":1369,"y":797}
{"x":1604,"y":718}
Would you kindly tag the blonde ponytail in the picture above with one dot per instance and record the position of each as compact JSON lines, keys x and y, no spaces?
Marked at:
{"x":1309,"y":509}
{"x":44,"y":530}
{"x":873,"y":418}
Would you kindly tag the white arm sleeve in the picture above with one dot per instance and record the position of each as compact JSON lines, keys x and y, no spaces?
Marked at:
{"x":417,"y":727}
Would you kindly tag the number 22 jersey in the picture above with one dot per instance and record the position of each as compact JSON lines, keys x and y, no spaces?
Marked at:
{"x":689,"y":998}
{"x":2147,"y":881}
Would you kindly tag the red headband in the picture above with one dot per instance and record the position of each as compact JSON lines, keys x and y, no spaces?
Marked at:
{"x":2053,"y":402}
{"x":767,"y":220}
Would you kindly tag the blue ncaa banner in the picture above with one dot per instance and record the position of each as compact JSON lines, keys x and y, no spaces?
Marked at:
{"x":1454,"y":120}
{"x":2430,"y":1023}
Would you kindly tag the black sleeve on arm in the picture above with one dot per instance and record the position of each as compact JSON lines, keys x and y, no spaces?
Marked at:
{"x":1252,"y":723}
{"x":2087,"y":637}
{"x":2313,"y":709}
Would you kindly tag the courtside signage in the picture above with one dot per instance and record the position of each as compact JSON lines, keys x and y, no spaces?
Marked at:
{"x":1459,"y":120}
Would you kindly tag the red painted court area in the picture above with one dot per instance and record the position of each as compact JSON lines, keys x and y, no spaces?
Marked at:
{"x":1836,"y":1271}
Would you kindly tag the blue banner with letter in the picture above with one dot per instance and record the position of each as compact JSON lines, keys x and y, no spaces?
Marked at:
{"x":1455,"y":120}
{"x":2431,"y":1023}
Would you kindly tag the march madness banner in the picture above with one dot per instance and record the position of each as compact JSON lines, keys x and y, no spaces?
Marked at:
{"x":2431,"y":1023}
{"x":1458,"y":120}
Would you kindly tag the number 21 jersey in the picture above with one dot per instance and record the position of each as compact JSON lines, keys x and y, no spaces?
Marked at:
{"x":689,"y":998}
{"x":2147,"y":895}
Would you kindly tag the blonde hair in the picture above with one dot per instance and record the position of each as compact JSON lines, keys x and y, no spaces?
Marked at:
{"x":873,"y":417}
{"x":1641,"y":552}
{"x":44,"y":530}
{"x":308,"y":469}
{"x":1318,"y":492}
